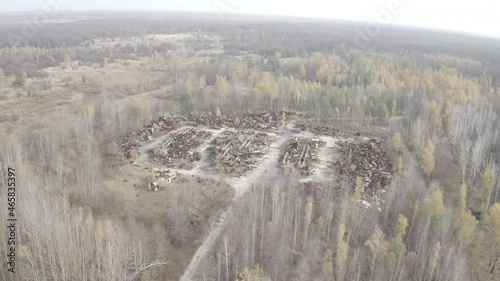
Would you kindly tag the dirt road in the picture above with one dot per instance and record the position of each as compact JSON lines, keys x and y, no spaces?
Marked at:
{"x":268,"y":165}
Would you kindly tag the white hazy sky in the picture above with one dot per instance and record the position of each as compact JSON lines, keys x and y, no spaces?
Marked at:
{"x":475,"y":16}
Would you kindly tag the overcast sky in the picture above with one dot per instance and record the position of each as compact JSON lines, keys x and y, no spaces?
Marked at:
{"x":475,"y":16}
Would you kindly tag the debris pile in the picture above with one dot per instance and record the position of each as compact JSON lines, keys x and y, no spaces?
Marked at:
{"x":237,"y":152}
{"x":162,"y":126}
{"x":258,"y":121}
{"x":129,"y":149}
{"x":265,"y":121}
{"x":375,"y":201}
{"x":159,"y":127}
{"x":301,"y":153}
{"x":317,"y":129}
{"x":160,"y":179}
{"x":366,"y":160}
{"x":149,"y":131}
{"x":179,"y":149}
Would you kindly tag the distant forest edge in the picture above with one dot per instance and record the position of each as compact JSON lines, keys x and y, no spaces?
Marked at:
{"x":262,"y":36}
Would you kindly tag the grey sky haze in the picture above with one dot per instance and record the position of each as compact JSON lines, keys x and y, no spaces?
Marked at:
{"x":478,"y":16}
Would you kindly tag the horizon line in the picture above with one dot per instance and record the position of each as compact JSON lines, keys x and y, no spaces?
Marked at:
{"x":299,"y":18}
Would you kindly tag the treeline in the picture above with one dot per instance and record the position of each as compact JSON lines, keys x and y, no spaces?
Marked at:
{"x":285,"y":231}
{"x":332,"y":84}
{"x":69,"y":228}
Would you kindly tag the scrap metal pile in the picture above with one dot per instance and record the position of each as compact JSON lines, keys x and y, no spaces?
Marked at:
{"x":235,"y":152}
{"x":180,"y":148}
{"x":316,"y":129}
{"x":160,"y":178}
{"x":149,"y":131}
{"x":302,"y":153}
{"x":265,"y":121}
{"x":366,"y":160}
{"x":257,"y":121}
